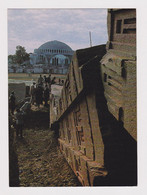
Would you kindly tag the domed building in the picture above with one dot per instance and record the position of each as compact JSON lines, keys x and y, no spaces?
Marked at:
{"x":55,"y":56}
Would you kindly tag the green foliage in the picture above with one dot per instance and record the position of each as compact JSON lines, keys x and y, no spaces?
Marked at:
{"x":21,"y":55}
{"x":12,"y":59}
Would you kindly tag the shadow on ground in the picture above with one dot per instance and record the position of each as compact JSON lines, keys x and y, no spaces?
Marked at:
{"x":37,"y":118}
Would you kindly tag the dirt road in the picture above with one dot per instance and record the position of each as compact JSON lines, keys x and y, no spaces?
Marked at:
{"x":39,"y":159}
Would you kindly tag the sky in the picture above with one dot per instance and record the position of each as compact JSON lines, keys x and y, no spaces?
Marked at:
{"x":31,"y":28}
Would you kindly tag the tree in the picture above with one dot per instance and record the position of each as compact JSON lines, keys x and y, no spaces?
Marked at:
{"x":21,"y":55}
{"x":12,"y":59}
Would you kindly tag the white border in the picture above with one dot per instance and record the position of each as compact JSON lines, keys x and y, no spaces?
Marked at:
{"x":141,"y":86}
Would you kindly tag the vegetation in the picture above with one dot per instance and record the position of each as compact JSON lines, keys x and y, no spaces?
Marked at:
{"x":20,"y":56}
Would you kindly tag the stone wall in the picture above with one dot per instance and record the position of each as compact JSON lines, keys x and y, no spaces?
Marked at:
{"x":119,"y":68}
{"x":96,"y":112}
{"x":79,"y":134}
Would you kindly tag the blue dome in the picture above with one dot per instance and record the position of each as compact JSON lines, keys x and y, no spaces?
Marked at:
{"x":55,"y":45}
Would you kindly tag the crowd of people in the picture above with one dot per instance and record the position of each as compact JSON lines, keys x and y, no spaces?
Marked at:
{"x":39,"y":93}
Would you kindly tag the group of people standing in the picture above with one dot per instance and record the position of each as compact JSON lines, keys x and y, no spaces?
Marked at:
{"x":40,"y":91}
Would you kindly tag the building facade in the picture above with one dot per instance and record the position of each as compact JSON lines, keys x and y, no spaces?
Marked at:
{"x":54,"y":55}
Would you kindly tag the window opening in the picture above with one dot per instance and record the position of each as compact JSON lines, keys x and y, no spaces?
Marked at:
{"x":118,"y":26}
{"x":105,"y":77}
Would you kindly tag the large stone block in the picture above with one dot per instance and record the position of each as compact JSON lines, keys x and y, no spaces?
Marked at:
{"x":95,"y":129}
{"x":85,"y":122}
{"x":95,"y":170}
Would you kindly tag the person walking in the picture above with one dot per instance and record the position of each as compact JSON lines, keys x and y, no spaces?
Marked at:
{"x":40,"y":80}
{"x":48,"y":79}
{"x":12,"y":102}
{"x":32,"y":93}
{"x":19,"y":116}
